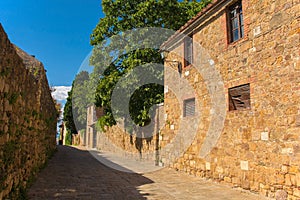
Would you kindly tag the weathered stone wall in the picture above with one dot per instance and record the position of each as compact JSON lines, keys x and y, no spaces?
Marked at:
{"x":258,"y":148}
{"x":116,"y":140}
{"x":27,"y":118}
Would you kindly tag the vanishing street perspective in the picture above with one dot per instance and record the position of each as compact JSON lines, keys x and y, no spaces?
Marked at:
{"x":150,"y":99}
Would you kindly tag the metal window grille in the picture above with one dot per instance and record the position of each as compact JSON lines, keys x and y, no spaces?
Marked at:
{"x":189,"y":107}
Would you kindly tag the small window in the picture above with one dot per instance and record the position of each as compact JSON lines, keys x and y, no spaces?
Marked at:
{"x":188,"y":51}
{"x":189,"y":107}
{"x":239,"y":97}
{"x":235,"y":22}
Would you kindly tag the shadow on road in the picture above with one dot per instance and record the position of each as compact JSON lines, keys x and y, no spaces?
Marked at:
{"x":76,"y":174}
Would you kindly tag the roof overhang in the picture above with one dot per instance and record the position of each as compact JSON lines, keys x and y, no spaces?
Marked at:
{"x":209,"y":12}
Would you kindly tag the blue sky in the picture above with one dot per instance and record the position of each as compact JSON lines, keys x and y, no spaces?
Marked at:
{"x":57,"y":32}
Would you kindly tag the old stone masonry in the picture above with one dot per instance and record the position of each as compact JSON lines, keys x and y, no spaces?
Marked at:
{"x":27,"y":119}
{"x":232,"y":99}
{"x":229,"y":127}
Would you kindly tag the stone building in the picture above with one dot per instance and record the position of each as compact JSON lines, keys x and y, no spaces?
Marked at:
{"x":90,"y":138}
{"x":117,"y":140}
{"x":232,"y":94}
{"x":232,"y":99}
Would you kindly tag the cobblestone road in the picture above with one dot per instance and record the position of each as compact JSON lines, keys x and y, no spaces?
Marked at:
{"x":75,"y":174}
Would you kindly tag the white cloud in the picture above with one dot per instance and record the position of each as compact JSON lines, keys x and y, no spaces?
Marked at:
{"x":60,"y":92}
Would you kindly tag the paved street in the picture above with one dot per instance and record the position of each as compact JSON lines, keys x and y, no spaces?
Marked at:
{"x":74,"y":173}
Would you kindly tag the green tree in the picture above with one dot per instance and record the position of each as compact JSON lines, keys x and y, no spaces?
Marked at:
{"x":68,"y":115}
{"x":80,"y":99}
{"x":68,"y":138}
{"x":75,"y":109}
{"x":123,"y":15}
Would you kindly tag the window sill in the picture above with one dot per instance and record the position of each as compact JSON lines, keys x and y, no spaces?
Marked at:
{"x":241,"y":110}
{"x":237,"y":42}
{"x":189,"y":117}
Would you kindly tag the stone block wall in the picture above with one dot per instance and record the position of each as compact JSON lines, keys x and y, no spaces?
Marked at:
{"x":27,"y":118}
{"x":255,"y":147}
{"x":258,"y":148}
{"x":116,"y":140}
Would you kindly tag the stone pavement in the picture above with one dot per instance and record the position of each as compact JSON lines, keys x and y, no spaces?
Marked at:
{"x":74,"y":173}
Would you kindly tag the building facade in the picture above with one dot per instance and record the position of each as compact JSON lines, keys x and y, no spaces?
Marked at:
{"x":90,"y":137}
{"x":232,"y":90}
{"x":232,"y":99}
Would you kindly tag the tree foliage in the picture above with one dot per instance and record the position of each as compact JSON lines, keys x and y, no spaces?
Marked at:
{"x":79,"y":99}
{"x":75,"y":109}
{"x":123,"y":15}
{"x":58,"y":109}
{"x":68,"y":115}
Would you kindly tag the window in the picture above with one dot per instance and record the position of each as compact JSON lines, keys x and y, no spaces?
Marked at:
{"x":189,"y":107}
{"x":236,"y":22}
{"x":239,"y":97}
{"x":188,"y":51}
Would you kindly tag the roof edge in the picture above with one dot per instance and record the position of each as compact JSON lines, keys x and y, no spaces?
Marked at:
{"x":195,"y":21}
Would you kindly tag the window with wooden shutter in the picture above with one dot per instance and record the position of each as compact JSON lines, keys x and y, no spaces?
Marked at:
{"x":239,"y":97}
{"x":189,"y":107}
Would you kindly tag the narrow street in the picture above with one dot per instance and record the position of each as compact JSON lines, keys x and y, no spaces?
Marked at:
{"x":74,"y":173}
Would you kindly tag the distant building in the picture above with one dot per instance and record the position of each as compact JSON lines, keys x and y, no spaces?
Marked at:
{"x":62,"y":134}
{"x":90,"y":137}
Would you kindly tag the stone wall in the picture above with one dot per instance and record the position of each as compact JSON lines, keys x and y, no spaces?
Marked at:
{"x":255,"y":146}
{"x":27,"y":118}
{"x":258,"y":147}
{"x":116,"y":140}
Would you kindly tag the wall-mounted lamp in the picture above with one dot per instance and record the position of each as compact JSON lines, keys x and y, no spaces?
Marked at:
{"x":165,"y":54}
{"x":179,"y":65}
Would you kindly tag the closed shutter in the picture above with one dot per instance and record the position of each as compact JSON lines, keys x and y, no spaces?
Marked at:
{"x":239,"y":97}
{"x":189,"y":107}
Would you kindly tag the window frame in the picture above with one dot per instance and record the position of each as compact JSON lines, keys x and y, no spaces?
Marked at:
{"x":185,"y":104}
{"x":232,"y":100}
{"x":188,"y":50}
{"x":237,"y":9}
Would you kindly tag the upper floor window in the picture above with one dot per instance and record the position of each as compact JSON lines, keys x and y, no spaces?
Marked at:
{"x":236,"y":22}
{"x":188,"y":51}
